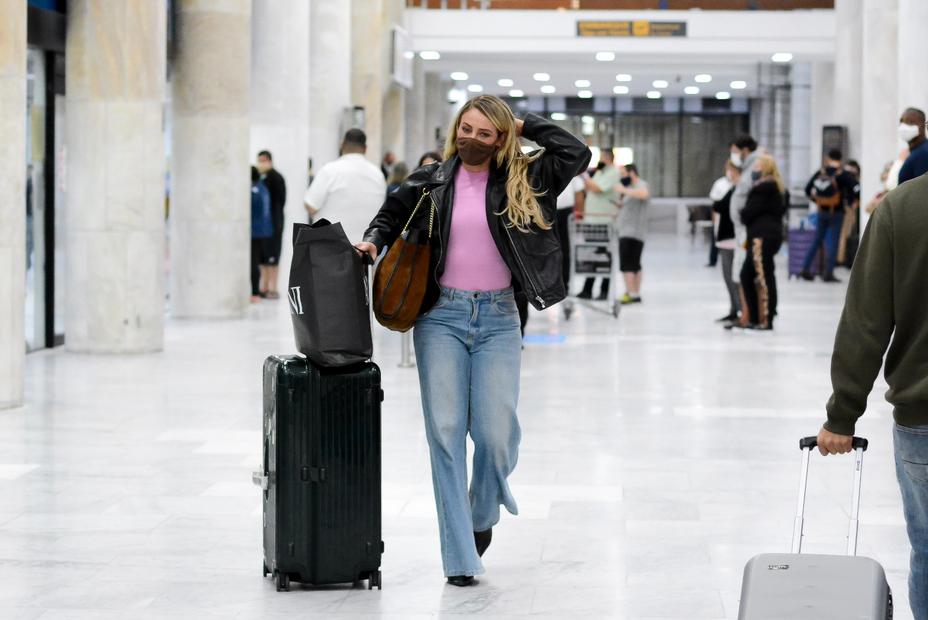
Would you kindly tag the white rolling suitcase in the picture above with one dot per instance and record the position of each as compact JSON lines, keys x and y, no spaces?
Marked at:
{"x":790,"y":586}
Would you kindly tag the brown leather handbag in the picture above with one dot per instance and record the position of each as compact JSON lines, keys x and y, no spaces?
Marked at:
{"x":403,"y":274}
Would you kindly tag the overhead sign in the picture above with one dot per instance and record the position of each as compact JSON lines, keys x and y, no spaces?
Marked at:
{"x":629,"y":28}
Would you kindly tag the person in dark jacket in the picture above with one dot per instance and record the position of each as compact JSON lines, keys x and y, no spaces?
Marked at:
{"x":763,"y":217}
{"x":262,"y":229}
{"x":912,"y":131}
{"x":494,"y":209}
{"x":277,"y":188}
{"x":832,"y":188}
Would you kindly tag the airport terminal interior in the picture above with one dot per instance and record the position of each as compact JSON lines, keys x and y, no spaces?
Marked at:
{"x":659,"y":443}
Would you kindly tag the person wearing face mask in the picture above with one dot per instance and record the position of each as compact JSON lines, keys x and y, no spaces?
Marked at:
{"x":912,"y":132}
{"x":832,"y":189}
{"x":493,"y":209}
{"x":743,"y":152}
{"x":633,"y":227}
{"x":277,"y":187}
{"x":763,"y":218}
{"x":725,"y":241}
{"x":601,"y":207}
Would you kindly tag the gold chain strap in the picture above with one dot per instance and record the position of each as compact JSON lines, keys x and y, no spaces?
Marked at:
{"x":425,"y":194}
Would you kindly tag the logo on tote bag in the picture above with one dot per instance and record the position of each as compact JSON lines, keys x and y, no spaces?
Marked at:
{"x":296,"y":302}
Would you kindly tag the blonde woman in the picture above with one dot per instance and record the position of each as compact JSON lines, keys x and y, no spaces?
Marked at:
{"x":763,"y":217}
{"x":494,"y":234}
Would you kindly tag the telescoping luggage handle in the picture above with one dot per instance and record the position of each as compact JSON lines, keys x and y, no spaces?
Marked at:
{"x":807,"y":444}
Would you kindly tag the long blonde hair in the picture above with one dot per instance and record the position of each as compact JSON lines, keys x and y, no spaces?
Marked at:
{"x":522,"y":207}
{"x":769,"y":168}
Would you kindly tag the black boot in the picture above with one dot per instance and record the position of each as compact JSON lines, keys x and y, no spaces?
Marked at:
{"x":587,"y":292}
{"x":462,"y":581}
{"x":482,"y":540}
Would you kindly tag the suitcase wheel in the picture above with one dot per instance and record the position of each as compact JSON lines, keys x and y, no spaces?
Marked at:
{"x":283,"y":582}
{"x":375,"y":579}
{"x":266,"y":571}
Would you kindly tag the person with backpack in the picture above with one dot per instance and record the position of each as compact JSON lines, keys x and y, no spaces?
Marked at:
{"x":831,"y":188}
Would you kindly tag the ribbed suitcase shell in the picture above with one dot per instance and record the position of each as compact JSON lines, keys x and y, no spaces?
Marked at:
{"x":322,"y":506}
{"x":788,"y":586}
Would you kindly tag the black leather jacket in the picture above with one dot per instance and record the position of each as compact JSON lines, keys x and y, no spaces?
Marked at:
{"x":533,"y":257}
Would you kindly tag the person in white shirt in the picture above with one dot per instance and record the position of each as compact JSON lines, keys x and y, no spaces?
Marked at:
{"x":568,"y":202}
{"x":349,"y":190}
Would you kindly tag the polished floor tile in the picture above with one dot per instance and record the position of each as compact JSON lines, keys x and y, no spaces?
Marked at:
{"x":659,"y":454}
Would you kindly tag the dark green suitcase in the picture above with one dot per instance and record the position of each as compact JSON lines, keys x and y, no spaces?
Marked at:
{"x":321,"y":474}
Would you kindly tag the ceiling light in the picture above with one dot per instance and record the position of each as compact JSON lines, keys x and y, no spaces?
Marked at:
{"x":541,"y":77}
{"x":429,"y":55}
{"x":691,"y":90}
{"x":738,"y":85}
{"x":654,"y":94}
{"x":660,"y":84}
{"x":623,"y":77}
{"x":459,"y":76}
{"x":703,"y":78}
{"x":582,"y":83}
{"x":558,"y":116}
{"x":605,"y":56}
{"x":723,"y":95}
{"x":505,"y":82}
{"x":620,"y":90}
{"x":455,"y":95}
{"x":585,"y":94}
{"x":548,"y":89}
{"x":587,"y":119}
{"x":781,"y":57}
{"x":515,"y":92}
{"x":475,"y":88}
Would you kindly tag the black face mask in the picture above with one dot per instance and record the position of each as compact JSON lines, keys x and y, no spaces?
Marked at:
{"x":831,"y":171}
{"x":473,"y":152}
{"x":626,"y":181}
{"x":756,"y":176}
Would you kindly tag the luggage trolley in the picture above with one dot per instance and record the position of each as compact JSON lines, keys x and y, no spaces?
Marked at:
{"x":594,"y":251}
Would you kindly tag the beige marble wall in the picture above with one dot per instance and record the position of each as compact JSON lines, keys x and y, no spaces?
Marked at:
{"x":12,"y":200}
{"x":115,"y":162}
{"x":368,"y":79}
{"x":280,"y":108}
{"x":210,"y":212}
{"x":330,"y":77}
{"x":913,"y":54}
{"x":847,"y":77}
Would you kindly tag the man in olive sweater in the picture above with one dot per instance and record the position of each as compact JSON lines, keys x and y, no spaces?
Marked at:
{"x":887,"y":299}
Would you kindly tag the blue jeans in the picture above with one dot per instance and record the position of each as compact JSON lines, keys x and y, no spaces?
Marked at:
{"x":912,"y":472}
{"x":827,"y":230}
{"x":469,"y":349}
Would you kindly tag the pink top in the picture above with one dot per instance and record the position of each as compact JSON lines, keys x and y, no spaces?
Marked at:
{"x":473,"y":263}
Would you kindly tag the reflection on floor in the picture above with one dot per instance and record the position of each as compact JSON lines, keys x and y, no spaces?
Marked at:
{"x":659,"y":454}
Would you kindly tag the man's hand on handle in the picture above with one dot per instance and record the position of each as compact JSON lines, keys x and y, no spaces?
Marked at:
{"x":367,"y":248}
{"x":832,"y":443}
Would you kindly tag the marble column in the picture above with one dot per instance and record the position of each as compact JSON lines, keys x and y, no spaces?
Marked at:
{"x":879,"y":104}
{"x":211,"y":206}
{"x":800,"y":122}
{"x":416,"y":133}
{"x":913,"y":54}
{"x":367,"y":70}
{"x":330,"y":77}
{"x":848,"y":87}
{"x":280,"y":108}
{"x":437,"y":111}
{"x":393,"y":133}
{"x":823,"y":105}
{"x":12,"y":200}
{"x":115,"y":161}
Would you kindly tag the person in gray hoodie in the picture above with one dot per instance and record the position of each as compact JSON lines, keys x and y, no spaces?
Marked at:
{"x":744,"y":153}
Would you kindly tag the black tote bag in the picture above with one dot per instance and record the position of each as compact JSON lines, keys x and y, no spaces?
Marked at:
{"x":328,"y":294}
